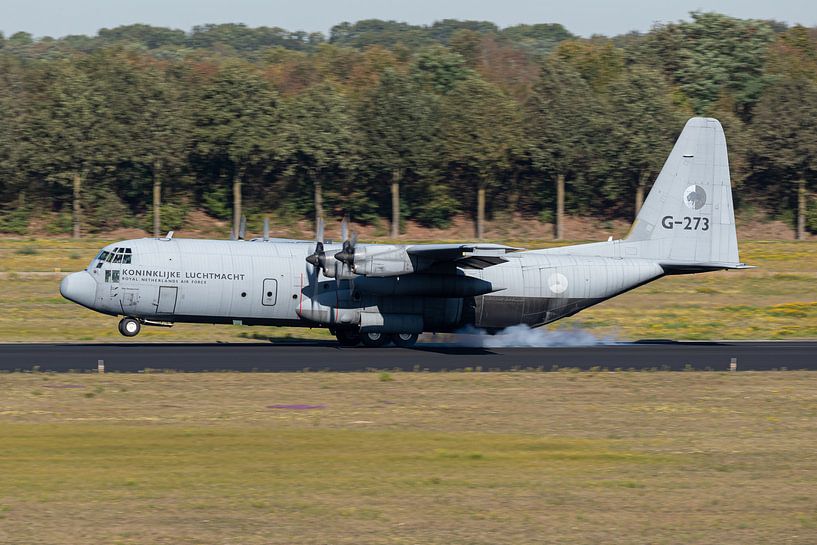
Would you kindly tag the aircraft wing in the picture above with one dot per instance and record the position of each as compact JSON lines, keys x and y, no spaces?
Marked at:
{"x":468,"y":256}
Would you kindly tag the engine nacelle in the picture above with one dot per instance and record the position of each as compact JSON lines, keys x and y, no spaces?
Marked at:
{"x":376,"y":261}
{"x":335,"y":268}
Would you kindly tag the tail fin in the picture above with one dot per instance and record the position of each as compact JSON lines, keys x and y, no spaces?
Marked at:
{"x":688,"y":217}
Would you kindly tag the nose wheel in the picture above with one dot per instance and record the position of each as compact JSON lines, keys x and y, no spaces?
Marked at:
{"x":129,"y":327}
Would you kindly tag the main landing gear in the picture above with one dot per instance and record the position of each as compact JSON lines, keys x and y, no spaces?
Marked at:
{"x":349,"y":337}
{"x":129,"y":327}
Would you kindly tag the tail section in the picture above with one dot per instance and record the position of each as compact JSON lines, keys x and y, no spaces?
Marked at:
{"x":688,"y":218}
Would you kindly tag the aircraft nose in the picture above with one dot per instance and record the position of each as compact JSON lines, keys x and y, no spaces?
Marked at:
{"x":79,"y":287}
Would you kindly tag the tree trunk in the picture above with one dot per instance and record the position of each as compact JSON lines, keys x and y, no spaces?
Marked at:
{"x":480,"y":212}
{"x":77,"y":215}
{"x":237,"y":204}
{"x":318,"y":187}
{"x":513,"y":196}
{"x":801,"y":209}
{"x":157,"y":199}
{"x":560,"y":206}
{"x":639,"y":192}
{"x":395,"y":203}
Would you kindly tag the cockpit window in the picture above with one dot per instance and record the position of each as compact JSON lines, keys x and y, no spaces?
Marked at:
{"x":117,"y":255}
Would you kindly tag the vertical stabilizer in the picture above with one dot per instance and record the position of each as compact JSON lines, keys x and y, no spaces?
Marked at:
{"x":688,"y":217}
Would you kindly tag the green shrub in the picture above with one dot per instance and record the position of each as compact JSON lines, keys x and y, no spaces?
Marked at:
{"x":15,"y":220}
{"x":102,"y":210}
{"x":27,"y":250}
{"x":172,"y":216}
{"x":59,"y":223}
{"x":811,"y":215}
{"x":437,"y":207}
{"x":217,"y":203}
{"x":546,"y":216}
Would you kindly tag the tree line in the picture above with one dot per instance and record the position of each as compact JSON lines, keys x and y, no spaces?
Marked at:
{"x":387,"y":121}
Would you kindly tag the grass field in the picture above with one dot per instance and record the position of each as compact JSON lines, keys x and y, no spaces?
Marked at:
{"x":777,"y":301}
{"x":405,"y":458}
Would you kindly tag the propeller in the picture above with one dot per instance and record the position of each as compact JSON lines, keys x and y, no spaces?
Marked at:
{"x":266,"y":229}
{"x":318,"y":257}
{"x":345,"y":258}
{"x":347,"y":253}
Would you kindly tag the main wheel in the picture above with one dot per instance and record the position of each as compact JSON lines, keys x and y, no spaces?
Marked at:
{"x":348,"y":337}
{"x":375,"y":340}
{"x":129,"y":327}
{"x":404,"y":340}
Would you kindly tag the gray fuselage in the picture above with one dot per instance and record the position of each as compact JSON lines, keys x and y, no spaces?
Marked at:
{"x":269,"y":283}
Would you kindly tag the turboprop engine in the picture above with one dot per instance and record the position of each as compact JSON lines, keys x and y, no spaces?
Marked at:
{"x":378,"y":261}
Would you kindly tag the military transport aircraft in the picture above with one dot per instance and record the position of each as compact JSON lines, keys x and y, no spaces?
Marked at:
{"x":377,"y":294}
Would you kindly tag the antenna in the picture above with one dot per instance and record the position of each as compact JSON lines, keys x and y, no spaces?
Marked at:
{"x":168,"y":236}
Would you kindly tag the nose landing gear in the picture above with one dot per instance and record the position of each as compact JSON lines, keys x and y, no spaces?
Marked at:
{"x":129,"y":327}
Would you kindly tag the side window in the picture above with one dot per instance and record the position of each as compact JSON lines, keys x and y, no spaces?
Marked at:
{"x":108,"y":275}
{"x":114,"y":276}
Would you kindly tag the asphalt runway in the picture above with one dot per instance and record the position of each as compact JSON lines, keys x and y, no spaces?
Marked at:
{"x":319,"y":356}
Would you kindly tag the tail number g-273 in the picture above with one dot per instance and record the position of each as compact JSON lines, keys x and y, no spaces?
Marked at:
{"x":687,"y":223}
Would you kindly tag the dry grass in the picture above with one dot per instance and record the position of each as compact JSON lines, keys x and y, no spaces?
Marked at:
{"x":778,"y":300}
{"x":455,"y":458}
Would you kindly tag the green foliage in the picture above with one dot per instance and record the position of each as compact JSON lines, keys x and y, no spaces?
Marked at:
{"x":15,"y":221}
{"x":442,"y":109}
{"x":27,"y":250}
{"x":712,"y":53}
{"x":539,"y":38}
{"x":440,"y":68}
{"x":437,"y":208}
{"x":60,"y":223}
{"x":216,"y":202}
{"x":171,"y":215}
{"x":811,"y":215}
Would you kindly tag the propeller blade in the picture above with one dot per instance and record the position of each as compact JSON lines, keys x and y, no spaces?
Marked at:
{"x":266,"y":228}
{"x":242,"y":227}
{"x":232,"y":233}
{"x":337,"y":275}
{"x":344,"y":228}
{"x":319,"y":230}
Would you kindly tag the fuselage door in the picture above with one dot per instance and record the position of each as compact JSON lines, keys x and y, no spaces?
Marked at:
{"x":270,"y":295}
{"x":167,"y":300}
